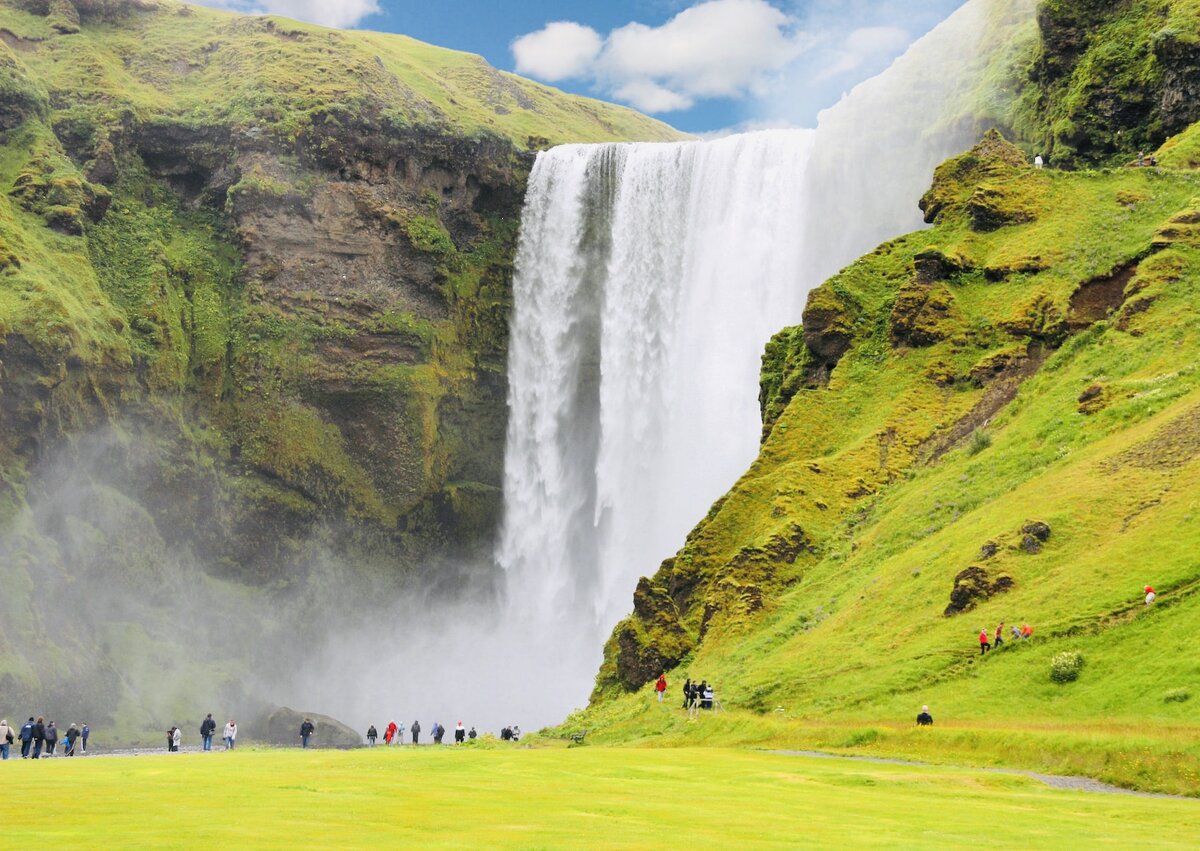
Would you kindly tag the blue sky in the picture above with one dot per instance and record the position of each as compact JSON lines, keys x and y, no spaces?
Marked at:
{"x":701,"y":65}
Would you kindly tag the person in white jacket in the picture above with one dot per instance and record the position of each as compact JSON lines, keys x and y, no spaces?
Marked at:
{"x":230,"y":734}
{"x":5,"y":744}
{"x":177,"y":738}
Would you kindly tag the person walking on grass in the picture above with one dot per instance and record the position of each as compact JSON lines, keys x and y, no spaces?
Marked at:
{"x":460,"y":734}
{"x":999,"y":636}
{"x":661,"y":686}
{"x":39,"y":736}
{"x":984,"y":646}
{"x":399,"y":733}
{"x":416,"y":732}
{"x":26,"y":738}
{"x":924,"y":719}
{"x":84,"y":732}
{"x":171,"y":739}
{"x":389,"y":733}
{"x":230,"y":734}
{"x":71,"y":737}
{"x":687,"y":692}
{"x":372,"y":735}
{"x":207,"y":728}
{"x":177,"y":739}
{"x":1150,"y":595}
{"x":51,"y":738}
{"x":306,"y":731}
{"x":7,"y":737}
{"x":1026,"y":631}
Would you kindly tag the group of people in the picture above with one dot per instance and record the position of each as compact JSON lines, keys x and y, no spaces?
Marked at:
{"x":511,"y":734}
{"x":697,"y":696}
{"x":1016,"y":633}
{"x":40,"y":739}
{"x":393,"y":733}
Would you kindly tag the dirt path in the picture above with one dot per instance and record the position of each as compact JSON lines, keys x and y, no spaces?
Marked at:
{"x":1056,"y":781}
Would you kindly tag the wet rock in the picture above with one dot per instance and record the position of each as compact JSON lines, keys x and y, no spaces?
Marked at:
{"x":282,"y":727}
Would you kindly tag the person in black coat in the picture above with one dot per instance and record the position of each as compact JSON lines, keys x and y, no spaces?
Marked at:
{"x":416,"y":731}
{"x":687,"y":692}
{"x":306,"y":730}
{"x":207,"y":728}
{"x":39,"y":736}
{"x":51,"y":734}
{"x":924,"y":719}
{"x":372,"y":735}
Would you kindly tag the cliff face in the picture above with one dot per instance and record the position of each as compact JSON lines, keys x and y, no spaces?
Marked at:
{"x":256,"y":283}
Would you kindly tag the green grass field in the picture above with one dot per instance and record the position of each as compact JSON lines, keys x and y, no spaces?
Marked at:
{"x":593,"y":797}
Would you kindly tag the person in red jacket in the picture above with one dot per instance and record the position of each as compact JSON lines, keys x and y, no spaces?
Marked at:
{"x":661,"y":686}
{"x":984,"y":646}
{"x":390,"y":732}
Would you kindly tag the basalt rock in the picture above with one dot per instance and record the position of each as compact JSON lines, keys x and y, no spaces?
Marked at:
{"x":974,"y":585}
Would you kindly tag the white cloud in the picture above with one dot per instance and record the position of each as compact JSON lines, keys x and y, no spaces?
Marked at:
{"x":717,"y":48}
{"x":862,"y":45}
{"x":557,"y":51}
{"x":329,"y":13}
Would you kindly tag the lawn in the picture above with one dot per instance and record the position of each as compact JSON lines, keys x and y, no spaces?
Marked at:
{"x":590,"y":797}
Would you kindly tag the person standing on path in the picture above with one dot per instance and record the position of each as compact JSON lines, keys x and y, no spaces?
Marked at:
{"x":984,"y":646}
{"x":416,"y":731}
{"x":83,"y":735}
{"x":372,"y":735}
{"x":230,"y":734}
{"x":51,"y":738}
{"x":26,"y":738}
{"x":71,"y":737}
{"x":389,"y":733}
{"x":39,"y":736}
{"x":661,"y":686}
{"x":1038,"y":162}
{"x":177,"y":739}
{"x":924,"y":719}
{"x":472,"y":735}
{"x":306,"y":731}
{"x":687,"y":692}
{"x":207,"y":727}
{"x":171,"y":740}
{"x":7,"y":737}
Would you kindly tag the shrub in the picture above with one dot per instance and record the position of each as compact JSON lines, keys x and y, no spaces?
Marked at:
{"x":1177,"y":695}
{"x":980,"y":440}
{"x":1065,"y":666}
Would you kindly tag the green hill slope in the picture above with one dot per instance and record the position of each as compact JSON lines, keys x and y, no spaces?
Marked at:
{"x":1029,"y":360}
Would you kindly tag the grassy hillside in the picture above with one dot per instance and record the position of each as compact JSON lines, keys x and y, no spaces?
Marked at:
{"x":1029,"y":360}
{"x":559,"y":798}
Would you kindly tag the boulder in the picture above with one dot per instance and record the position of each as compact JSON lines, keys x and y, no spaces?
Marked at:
{"x":282,"y":727}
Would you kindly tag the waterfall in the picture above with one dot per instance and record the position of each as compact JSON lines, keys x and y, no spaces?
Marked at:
{"x":649,"y":277}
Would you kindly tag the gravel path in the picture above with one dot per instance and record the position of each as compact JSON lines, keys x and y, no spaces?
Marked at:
{"x":1057,"y":781}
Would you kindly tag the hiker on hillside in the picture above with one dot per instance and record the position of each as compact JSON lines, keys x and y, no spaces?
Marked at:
{"x":924,"y":719}
{"x":687,"y":692}
{"x":230,"y":734}
{"x":306,"y":731}
{"x":1150,"y":595}
{"x":26,"y":736}
{"x":516,"y":733}
{"x":72,"y":735}
{"x":472,"y":735}
{"x":1015,"y":632}
{"x":372,"y":735}
{"x":661,"y":686}
{"x":83,"y":735}
{"x":7,"y":737}
{"x":416,"y":731}
{"x":1026,"y":630}
{"x":39,"y":736}
{"x":999,"y":636}
{"x":984,"y":646}
{"x":207,"y":728}
{"x":1038,"y":162}
{"x":460,"y":734}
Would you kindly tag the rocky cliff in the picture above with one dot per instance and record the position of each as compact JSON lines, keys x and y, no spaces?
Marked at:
{"x":254,"y":306}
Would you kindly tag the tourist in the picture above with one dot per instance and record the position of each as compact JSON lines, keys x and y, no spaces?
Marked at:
{"x":661,"y":686}
{"x":6,"y":738}
{"x":172,"y":739}
{"x":1026,"y":631}
{"x":460,"y":734}
{"x":207,"y":728}
{"x":372,"y":735}
{"x":26,"y":738}
{"x":51,"y":738}
{"x":687,"y":692}
{"x":472,"y":735}
{"x":1014,"y":631}
{"x":71,"y":737}
{"x":1141,"y":160}
{"x":416,"y":731}
{"x":389,"y":733}
{"x":999,"y":636}
{"x":39,"y":736}
{"x":1150,"y":595}
{"x":694,"y":701}
{"x":1038,"y":162}
{"x":177,"y":739}
{"x":438,"y":732}
{"x":399,"y":734}
{"x":506,"y":734}
{"x":516,"y":733}
{"x":706,"y":696}
{"x":83,"y":735}
{"x":230,"y":734}
{"x":306,"y":731}
{"x":984,"y":646}
{"x":924,"y":719}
